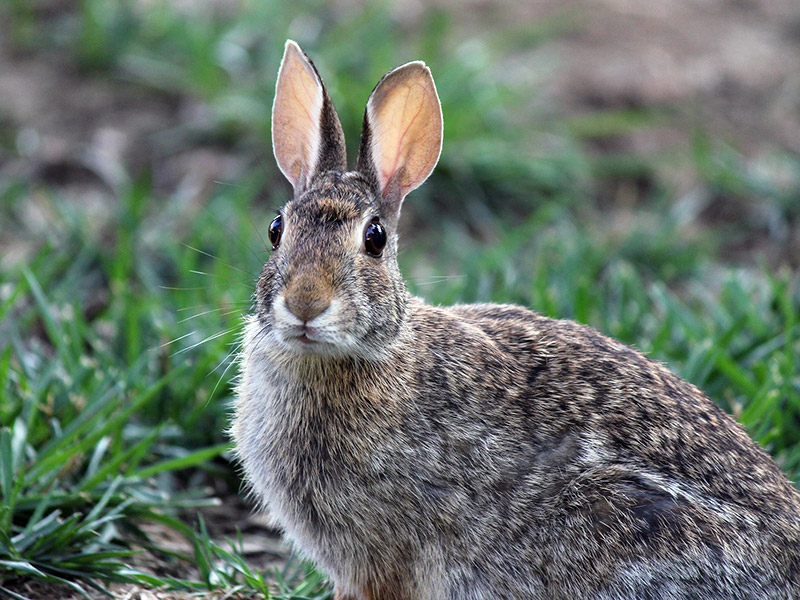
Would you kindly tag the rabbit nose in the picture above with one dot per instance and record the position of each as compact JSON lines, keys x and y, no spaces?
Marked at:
{"x":306,"y":297}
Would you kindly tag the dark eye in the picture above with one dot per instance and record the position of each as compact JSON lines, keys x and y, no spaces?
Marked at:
{"x":374,"y":237}
{"x":275,"y":231}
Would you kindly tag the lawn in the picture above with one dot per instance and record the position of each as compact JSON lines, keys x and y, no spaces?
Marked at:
{"x":134,"y":198}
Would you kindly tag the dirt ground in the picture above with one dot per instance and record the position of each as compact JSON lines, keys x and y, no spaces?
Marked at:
{"x":736,"y":63}
{"x":733,"y":65}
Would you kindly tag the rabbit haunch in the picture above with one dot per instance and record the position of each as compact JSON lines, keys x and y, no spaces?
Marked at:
{"x":477,"y":451}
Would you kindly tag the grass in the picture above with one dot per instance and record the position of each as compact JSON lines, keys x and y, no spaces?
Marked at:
{"x":117,"y":333}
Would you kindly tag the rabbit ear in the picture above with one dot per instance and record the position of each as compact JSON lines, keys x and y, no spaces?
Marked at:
{"x":402,"y":134}
{"x":307,"y":137}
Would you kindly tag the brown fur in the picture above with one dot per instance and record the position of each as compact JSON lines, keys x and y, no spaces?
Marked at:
{"x":482,"y":452}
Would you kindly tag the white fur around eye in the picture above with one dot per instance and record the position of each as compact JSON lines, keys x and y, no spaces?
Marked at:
{"x":358,"y":236}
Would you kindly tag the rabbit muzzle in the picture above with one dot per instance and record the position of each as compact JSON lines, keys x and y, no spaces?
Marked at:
{"x":308,"y":316}
{"x":307,"y":296}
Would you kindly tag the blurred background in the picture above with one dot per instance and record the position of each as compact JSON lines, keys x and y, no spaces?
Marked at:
{"x":634,"y":166}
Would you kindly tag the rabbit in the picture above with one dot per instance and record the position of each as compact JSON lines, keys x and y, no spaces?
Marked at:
{"x":481,"y":451}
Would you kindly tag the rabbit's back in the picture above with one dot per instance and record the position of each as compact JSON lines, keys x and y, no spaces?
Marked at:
{"x":563,"y":375}
{"x":656,"y":485}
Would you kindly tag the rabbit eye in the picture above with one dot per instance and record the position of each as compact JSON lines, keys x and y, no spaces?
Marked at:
{"x":275,"y":231}
{"x":374,"y":238}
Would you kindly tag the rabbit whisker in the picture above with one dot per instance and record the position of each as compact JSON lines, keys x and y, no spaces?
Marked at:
{"x":230,"y":364}
{"x":225,"y":225}
{"x":227,"y":305}
{"x":249,"y":286}
{"x":262,"y":333}
{"x":201,"y":342}
{"x":224,"y":262}
{"x":238,"y":186}
{"x":172,"y":341}
{"x":434,"y":279}
{"x":211,"y":310}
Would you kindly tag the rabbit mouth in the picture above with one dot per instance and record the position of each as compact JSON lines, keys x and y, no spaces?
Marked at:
{"x":305,"y":339}
{"x":303,"y":336}
{"x":309,"y":343}
{"x":306,"y":335}
{"x":321,"y":334}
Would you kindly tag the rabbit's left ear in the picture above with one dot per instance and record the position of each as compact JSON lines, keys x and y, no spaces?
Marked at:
{"x":307,"y":137}
{"x":402,"y":134}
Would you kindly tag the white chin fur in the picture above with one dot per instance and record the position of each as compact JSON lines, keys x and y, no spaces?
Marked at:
{"x":322,"y":335}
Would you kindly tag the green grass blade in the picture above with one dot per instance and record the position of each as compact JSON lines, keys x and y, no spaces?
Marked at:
{"x":13,"y":595}
{"x":92,"y":480}
{"x":190,"y":459}
{"x":54,"y":330}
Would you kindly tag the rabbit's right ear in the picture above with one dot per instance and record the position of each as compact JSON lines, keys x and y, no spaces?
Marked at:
{"x":402,"y":135}
{"x":307,"y":137}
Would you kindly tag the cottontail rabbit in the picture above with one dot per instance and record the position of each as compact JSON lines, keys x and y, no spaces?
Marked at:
{"x":477,"y":451}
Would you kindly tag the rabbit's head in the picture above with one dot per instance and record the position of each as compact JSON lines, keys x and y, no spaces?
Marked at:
{"x":332,"y":285}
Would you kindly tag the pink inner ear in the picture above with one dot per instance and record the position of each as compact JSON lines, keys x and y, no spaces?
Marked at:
{"x":406,"y":125}
{"x":296,"y":115}
{"x":399,"y":157}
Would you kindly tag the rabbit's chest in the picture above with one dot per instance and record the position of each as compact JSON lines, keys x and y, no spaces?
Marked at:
{"x":313,"y":456}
